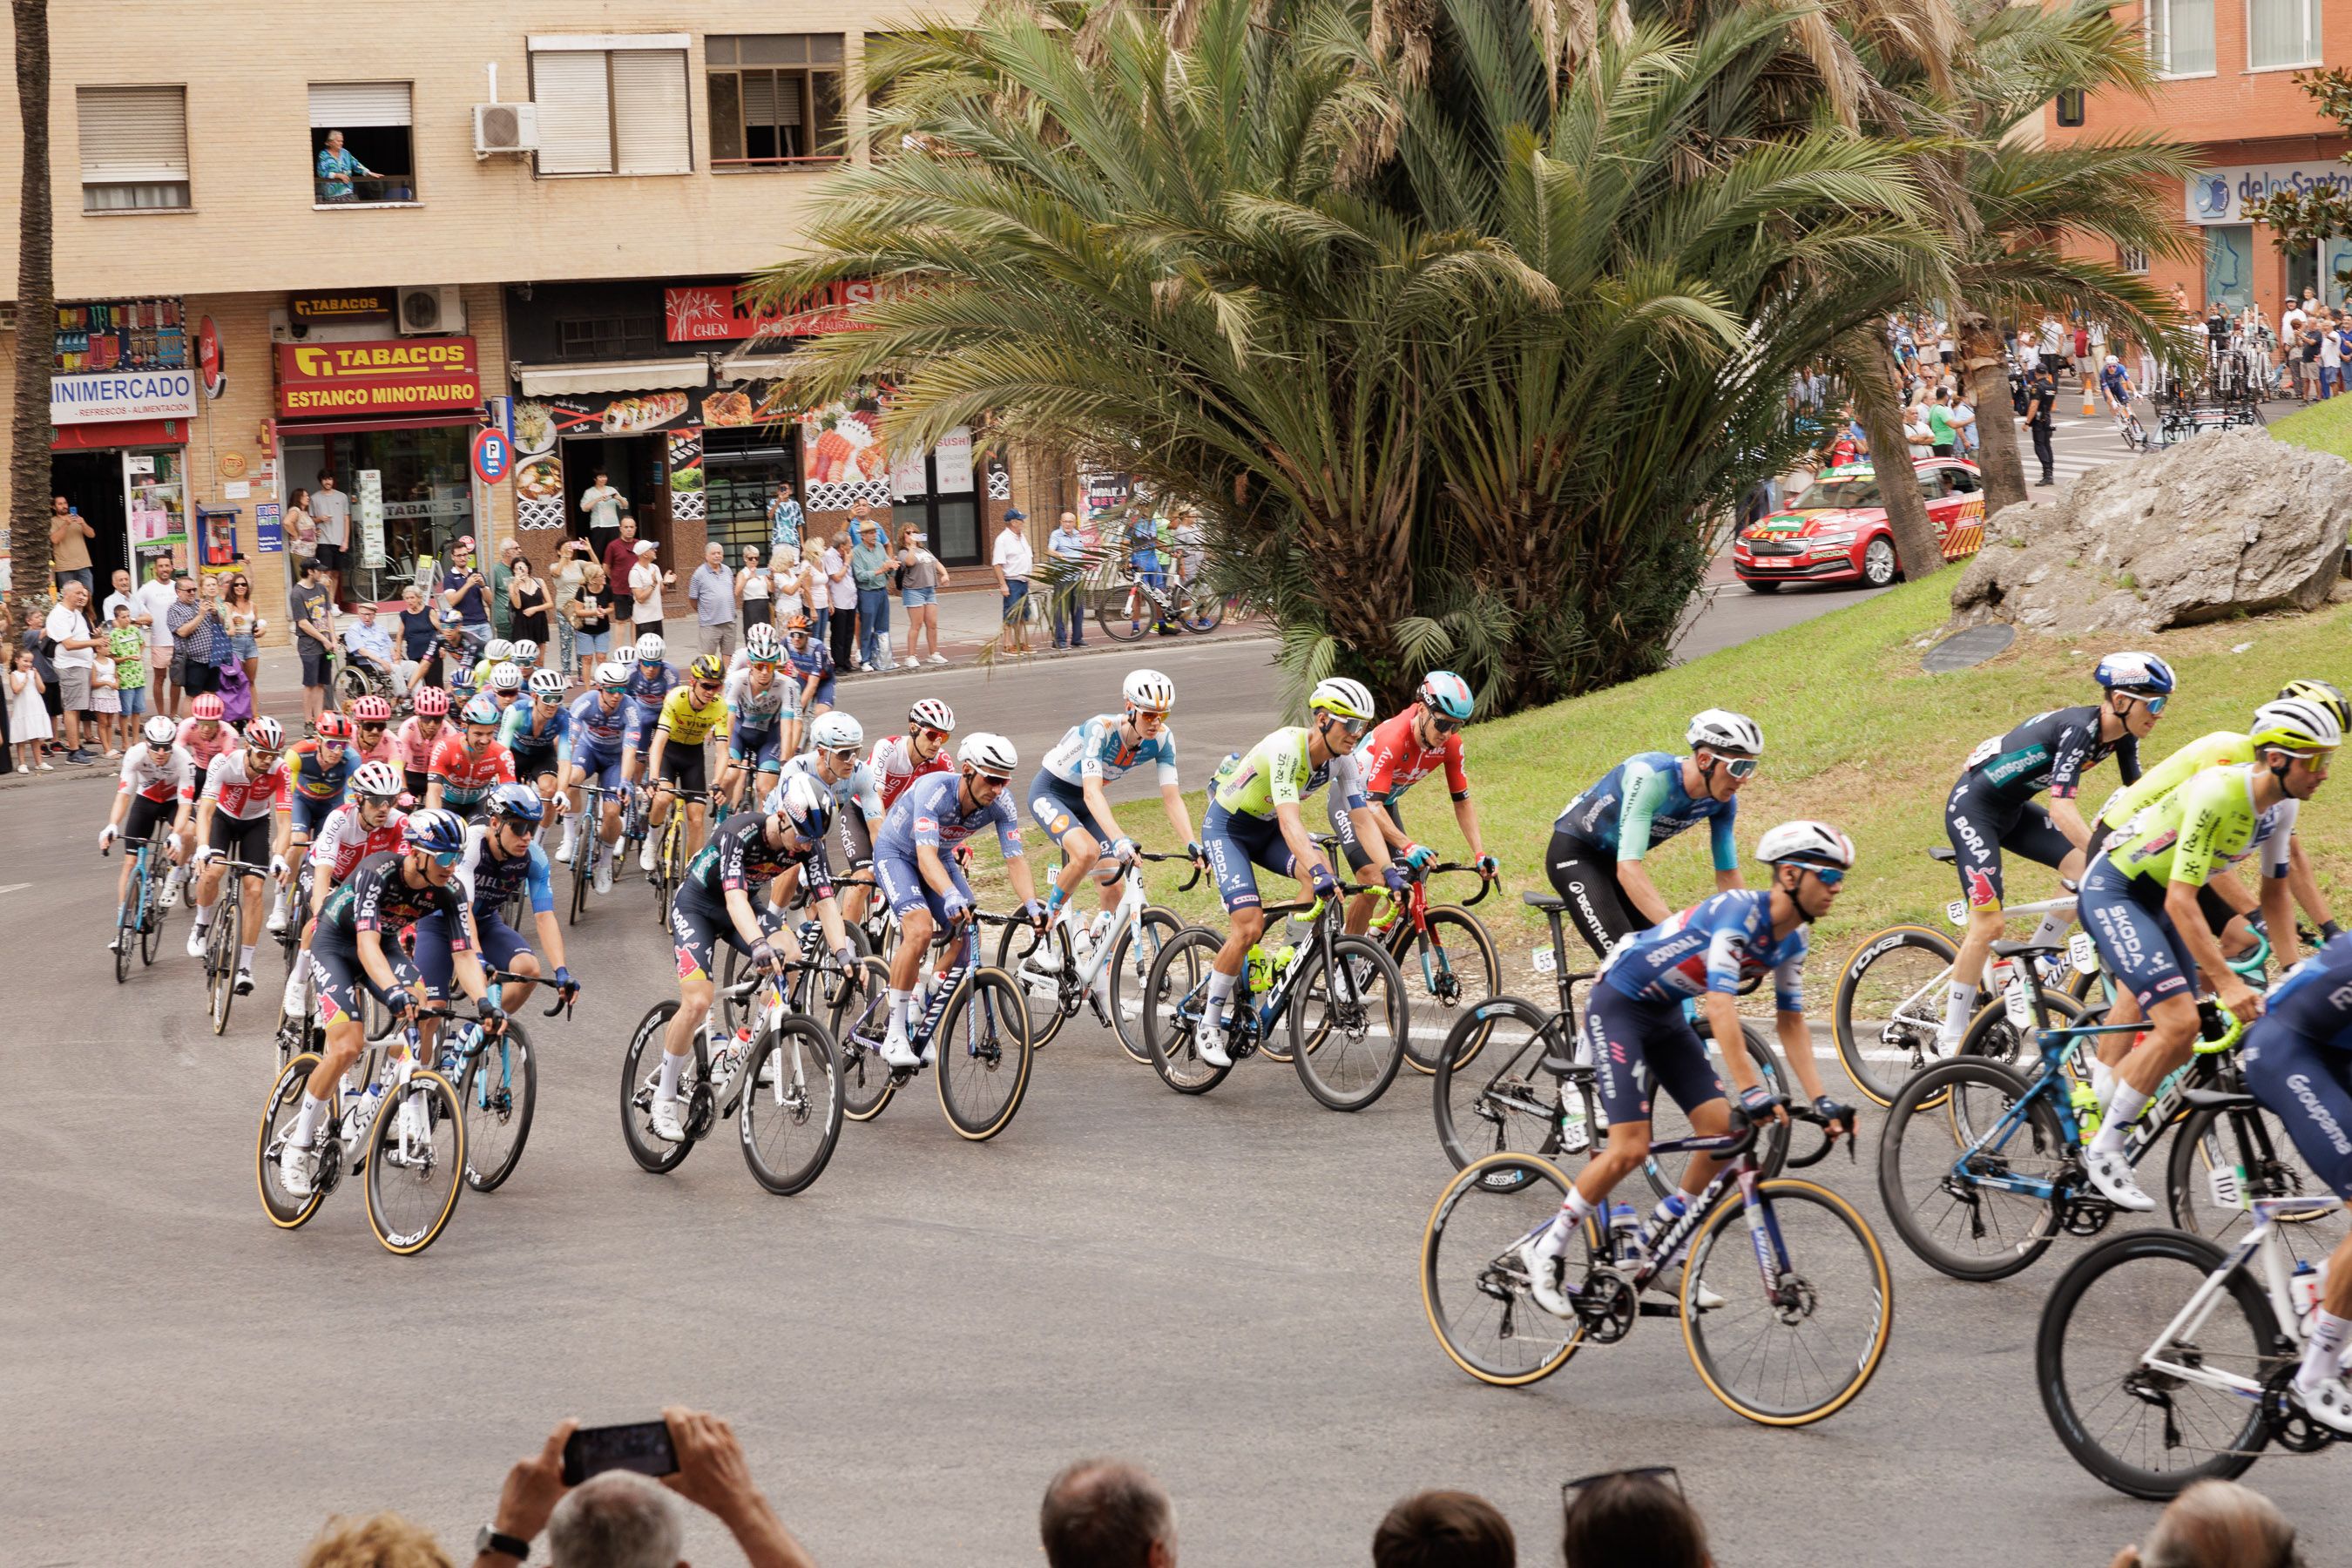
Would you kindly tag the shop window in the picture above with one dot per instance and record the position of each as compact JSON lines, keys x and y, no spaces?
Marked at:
{"x":134,"y":148}
{"x":608,"y":337}
{"x":611,"y":110}
{"x":2282,"y":33}
{"x":776,"y":99}
{"x":368,"y":124}
{"x":2180,"y":36}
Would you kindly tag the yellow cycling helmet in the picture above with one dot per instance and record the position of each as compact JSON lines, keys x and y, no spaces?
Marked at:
{"x":709,"y":666}
{"x":1348,"y":698}
{"x":2326,"y":695}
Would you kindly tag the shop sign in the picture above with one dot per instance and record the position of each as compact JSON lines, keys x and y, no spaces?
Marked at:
{"x":371,"y":512}
{"x":209,"y":358}
{"x":717,"y":312}
{"x":2220,"y":195}
{"x":105,"y":395}
{"x":686,"y":497}
{"x":383,"y":376}
{"x":352,"y":305}
{"x":268,"y":528}
{"x":953,"y":456}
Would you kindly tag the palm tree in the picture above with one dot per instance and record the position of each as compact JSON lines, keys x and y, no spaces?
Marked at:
{"x":36,"y":313}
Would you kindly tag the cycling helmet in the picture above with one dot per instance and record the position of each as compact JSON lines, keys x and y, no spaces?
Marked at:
{"x":1721,"y":730}
{"x":161,"y":731}
{"x":626,"y":656}
{"x":706,"y":666}
{"x":451,"y":618}
{"x":371,"y":709}
{"x":2325,"y":694}
{"x":264,"y":734}
{"x":804,"y":805}
{"x":332,"y":726}
{"x":612,"y":672}
{"x":2295,"y":724}
{"x":483,"y":709}
{"x":526,"y":652}
{"x":434,"y":832}
{"x":987,"y":753}
{"x":932,"y":714}
{"x":1446,"y":693}
{"x":2135,"y":674}
{"x":209,"y":707}
{"x":498,"y":650}
{"x":1149,"y":691}
{"x":797,"y":626}
{"x":2113,"y":360}
{"x":430,"y":702}
{"x":378,"y":780}
{"x":837,"y":731}
{"x":506,"y":678}
{"x":548,"y":683}
{"x":1800,"y":843}
{"x":518,"y":801}
{"x":1348,"y":698}
{"x":651,"y":650}
{"x":760,"y":643}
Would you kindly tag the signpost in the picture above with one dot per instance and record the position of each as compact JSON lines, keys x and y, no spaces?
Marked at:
{"x":493,"y":455}
{"x":371,"y":498}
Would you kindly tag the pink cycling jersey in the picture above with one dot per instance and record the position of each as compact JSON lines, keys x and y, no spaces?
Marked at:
{"x":411,"y":748}
{"x":342,"y":840}
{"x":156,"y":776}
{"x":894,"y":766}
{"x":200,"y":751}
{"x":232,"y":794}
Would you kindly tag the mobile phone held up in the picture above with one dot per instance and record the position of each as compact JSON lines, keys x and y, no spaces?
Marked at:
{"x":640,"y":1446}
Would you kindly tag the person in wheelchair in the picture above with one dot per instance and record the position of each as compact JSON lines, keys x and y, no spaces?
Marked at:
{"x":367,"y":649}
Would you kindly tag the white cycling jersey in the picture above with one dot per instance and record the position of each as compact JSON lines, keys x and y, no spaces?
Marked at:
{"x":343,"y":841}
{"x":157,"y":775}
{"x":895,"y":766}
{"x":247,"y":799}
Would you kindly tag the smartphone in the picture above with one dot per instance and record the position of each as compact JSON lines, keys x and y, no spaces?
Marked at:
{"x":641,"y":1445}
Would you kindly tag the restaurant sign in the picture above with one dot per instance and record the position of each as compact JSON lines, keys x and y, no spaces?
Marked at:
{"x":714,"y":312}
{"x":385,"y":375}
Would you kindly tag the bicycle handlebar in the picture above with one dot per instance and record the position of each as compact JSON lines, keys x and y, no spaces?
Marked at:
{"x":1189,"y":883}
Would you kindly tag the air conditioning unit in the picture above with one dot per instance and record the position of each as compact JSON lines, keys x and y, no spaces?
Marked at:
{"x":438,"y":310}
{"x":505,"y":128}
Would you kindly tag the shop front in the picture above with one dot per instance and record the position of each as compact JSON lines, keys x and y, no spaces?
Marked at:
{"x":121,"y":402}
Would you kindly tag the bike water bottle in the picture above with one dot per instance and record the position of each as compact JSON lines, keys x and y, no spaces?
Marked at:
{"x":1282,"y":956}
{"x":1259,"y":968}
{"x":364,"y":1114}
{"x":1625,"y":1227}
{"x":2085,"y":1101}
{"x":2303,"y":1287}
{"x":1672,"y":1207}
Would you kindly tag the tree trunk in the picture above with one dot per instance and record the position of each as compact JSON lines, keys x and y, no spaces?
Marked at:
{"x":1988,"y":383}
{"x":1877,"y":399}
{"x":36,"y":316}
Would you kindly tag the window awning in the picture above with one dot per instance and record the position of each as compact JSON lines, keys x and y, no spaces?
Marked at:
{"x":752,"y":367}
{"x":343,"y":424}
{"x":625,"y":376}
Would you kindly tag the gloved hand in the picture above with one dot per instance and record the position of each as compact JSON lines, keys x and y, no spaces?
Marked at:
{"x":845,"y":955}
{"x":493,"y":1011}
{"x":401,"y":1002}
{"x":766,"y":959}
{"x":1325,"y":884}
{"x":1419,"y":855}
{"x":206,"y":855}
{"x":2329,"y":930}
{"x":1194,"y":852}
{"x":1035,"y":914}
{"x":1757,"y":1102}
{"x":106,"y":835}
{"x":1397,"y":880}
{"x":1489,"y":866}
{"x":1830,"y":1111}
{"x":955,"y":905}
{"x":1122,"y":849}
{"x":564,"y":981}
{"x":278,"y":867}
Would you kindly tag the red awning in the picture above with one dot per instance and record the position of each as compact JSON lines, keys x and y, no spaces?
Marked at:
{"x":469,"y":417}
{"x":118,"y":433}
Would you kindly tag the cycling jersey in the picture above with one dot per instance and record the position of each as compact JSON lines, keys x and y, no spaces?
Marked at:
{"x":2205,"y":826}
{"x":386,"y":749}
{"x":159,"y":776}
{"x":2298,"y":1061}
{"x":2110,"y":379}
{"x":465,"y":777}
{"x":688,"y":723}
{"x":759,"y":708}
{"x":522,"y":734}
{"x":1278,"y":771}
{"x":1640,"y":803}
{"x":1096,"y":750}
{"x":594,"y":727}
{"x":816,"y":659}
{"x":895,"y":767}
{"x":202,"y":750}
{"x":857,"y":793}
{"x":314,"y":779}
{"x":413,"y":747}
{"x":739,"y":859}
{"x":1392,"y":760}
{"x":376,"y":897}
{"x":932,"y":813}
{"x":649,"y":684}
{"x":2219,"y":749}
{"x":490,"y":878}
{"x":233,"y":794}
{"x":1712,"y":946}
{"x":2050,"y":751}
{"x":343,"y":841}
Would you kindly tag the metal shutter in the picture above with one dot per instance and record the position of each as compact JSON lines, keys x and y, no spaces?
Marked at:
{"x":758,"y":97}
{"x":133,"y":135}
{"x":336,"y":104}
{"x":576,"y":112}
{"x":649,"y":112}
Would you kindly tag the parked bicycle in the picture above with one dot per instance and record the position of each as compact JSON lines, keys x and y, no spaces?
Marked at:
{"x":1132,"y":606}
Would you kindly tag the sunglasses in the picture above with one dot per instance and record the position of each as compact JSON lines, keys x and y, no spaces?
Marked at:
{"x":1830,"y":876}
{"x":847,"y":756}
{"x":707,"y":685}
{"x":267,"y":759}
{"x":1445,"y":724}
{"x":613,"y":691}
{"x":998,"y":781}
{"x":371,"y":725}
{"x":1664,"y":1475}
{"x":1740,"y":767}
{"x":928,"y":733}
{"x":448,"y":860}
{"x":2154,"y":704}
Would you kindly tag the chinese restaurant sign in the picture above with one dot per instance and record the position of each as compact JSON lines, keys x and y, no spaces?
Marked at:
{"x":713,"y":312}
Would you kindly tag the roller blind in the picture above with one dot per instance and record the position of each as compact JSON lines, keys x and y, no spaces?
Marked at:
{"x":337,"y":104}
{"x":649,"y":112}
{"x":133,"y":135}
{"x":2279,"y":33}
{"x":576,"y":112}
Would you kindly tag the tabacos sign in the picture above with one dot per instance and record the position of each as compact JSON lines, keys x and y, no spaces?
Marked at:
{"x":104,"y":395}
{"x":388,"y":376}
{"x":714,"y":312}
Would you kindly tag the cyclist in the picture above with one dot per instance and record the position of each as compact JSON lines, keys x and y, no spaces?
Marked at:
{"x":2139,"y":904}
{"x":449,"y":663}
{"x":1254,"y":818}
{"x":371,"y":740}
{"x":155,"y":789}
{"x":1399,"y":753}
{"x":204,"y":734}
{"x":420,"y":736}
{"x":779,"y":848}
{"x":1993,"y":807}
{"x":367,"y":823}
{"x":533,"y":733}
{"x":504,"y":686}
{"x":2116,"y":385}
{"x":651,"y":680}
{"x":316,"y":772}
{"x":466,"y":764}
{"x":1069,"y":800}
{"x":353,"y":948}
{"x":900,"y":759}
{"x":1638,"y":1036}
{"x":760,"y":708}
{"x":502,"y":858}
{"x":921,"y":879}
{"x":2298,"y":1063}
{"x":593,"y":748}
{"x":244,"y":790}
{"x":834,"y":763}
{"x":688,"y":717}
{"x":811,"y":670}
{"x":1601,"y":838}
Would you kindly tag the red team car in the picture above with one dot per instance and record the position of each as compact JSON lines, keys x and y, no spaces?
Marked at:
{"x":1836,"y":531}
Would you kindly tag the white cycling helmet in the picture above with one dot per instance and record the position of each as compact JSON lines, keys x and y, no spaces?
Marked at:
{"x":760,"y":643}
{"x":2297,"y":725}
{"x":651,"y":650}
{"x":1720,"y":729}
{"x":837,"y":731}
{"x":2113,"y":360}
{"x":381,"y":780}
{"x":161,"y":731}
{"x":1149,"y":691}
{"x":526,"y":651}
{"x":1802,"y":843}
{"x":987,"y":753}
{"x":505,"y":677}
{"x":612,"y":672}
{"x":548,"y":683}
{"x":804,"y":803}
{"x":932,"y":714}
{"x":626,"y":656}
{"x":498,"y":650}
{"x":1348,"y":698}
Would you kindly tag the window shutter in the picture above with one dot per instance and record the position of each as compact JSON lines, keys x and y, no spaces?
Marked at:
{"x":758,"y":97}
{"x":337,"y":104}
{"x":576,"y":112}
{"x":788,"y":100}
{"x":649,"y":112}
{"x":133,"y":135}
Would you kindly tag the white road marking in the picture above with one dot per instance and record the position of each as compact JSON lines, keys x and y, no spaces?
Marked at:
{"x":14,"y":887}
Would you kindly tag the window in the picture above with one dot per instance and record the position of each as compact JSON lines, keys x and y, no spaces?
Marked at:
{"x":774,"y":97}
{"x":134,"y":148}
{"x":2132,"y":261}
{"x":2180,"y":36}
{"x":612,"y":104}
{"x":369,"y":119}
{"x":2282,"y":33}
{"x":2070,"y":107}
{"x":608,"y":337}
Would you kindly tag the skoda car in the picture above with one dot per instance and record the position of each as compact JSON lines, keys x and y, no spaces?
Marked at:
{"x":1836,"y":531}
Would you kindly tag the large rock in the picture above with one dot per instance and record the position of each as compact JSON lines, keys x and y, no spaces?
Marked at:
{"x":2216,"y":526}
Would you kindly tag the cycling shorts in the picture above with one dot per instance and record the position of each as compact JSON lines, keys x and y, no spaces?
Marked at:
{"x":2309,"y":1087}
{"x":413,"y":780}
{"x":465,"y":810}
{"x":2125,"y":915}
{"x":1637,"y":1046}
{"x":682,"y":766}
{"x":1981,"y":825}
{"x":638,"y":732}
{"x":1056,"y":806}
{"x":1343,"y":824}
{"x":763,"y":749}
{"x":146,"y":818}
{"x":824,"y":696}
{"x":854,"y":837}
{"x":1236,"y":842}
{"x":500,"y":943}
{"x":337,"y":975}
{"x":901,"y":882}
{"x":1585,"y":876}
{"x":310,"y":812}
{"x":536,"y":763}
{"x":696,"y":927}
{"x":598,"y":765}
{"x":245,"y":838}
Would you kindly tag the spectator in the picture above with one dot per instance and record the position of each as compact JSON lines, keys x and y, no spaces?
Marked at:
{"x":607,"y":510}
{"x":1105,"y":1513}
{"x":2331,"y":357}
{"x":592,"y":620}
{"x":119,"y":582}
{"x":1191,"y":540}
{"x":300,"y":529}
{"x":126,"y":640}
{"x":244,"y":625}
{"x":711,"y":592}
{"x":416,"y":631}
{"x":200,"y":646}
{"x":333,"y":509}
{"x":1013,"y":561}
{"x":1944,"y":436}
{"x":818,"y":589}
{"x":380,"y":1540}
{"x":573,"y":559}
{"x":463,"y":589}
{"x":29,"y":715}
{"x":2216,"y":1524}
{"x":784,"y":523}
{"x":69,"y":537}
{"x":789,"y":573}
{"x":68,"y":627}
{"x":502,"y":572}
{"x":646,"y":581}
{"x":106,"y":693}
{"x":1067,"y":545}
{"x":870,"y":567}
{"x":1964,"y":425}
{"x":155,"y":599}
{"x":314,"y":637}
{"x":336,"y":169}
{"x":1444,"y":1529}
{"x":755,"y":589}
{"x":843,"y":588}
{"x":920,"y":577}
{"x":1631,"y":1516}
{"x":619,"y":554}
{"x":368,"y":644}
{"x":527,"y":603}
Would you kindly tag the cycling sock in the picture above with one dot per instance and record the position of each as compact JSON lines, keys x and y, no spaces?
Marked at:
{"x":672,"y":1066}
{"x":2053,"y":926}
{"x":244,"y":957}
{"x":1572,"y":1214}
{"x":306,"y":1125}
{"x":2320,"y":1351}
{"x":2103,"y":1080}
{"x":1959,"y":1006}
{"x":1054,"y":897}
{"x":119,"y":911}
{"x":204,"y":917}
{"x":1220,"y":990}
{"x":898,"y":1003}
{"x":2123,"y":1108}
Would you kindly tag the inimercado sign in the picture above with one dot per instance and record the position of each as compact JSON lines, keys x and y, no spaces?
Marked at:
{"x":99,"y":396}
{"x":2220,"y":195}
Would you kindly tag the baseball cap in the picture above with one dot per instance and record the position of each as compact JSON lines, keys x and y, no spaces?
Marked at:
{"x":646,"y":547}
{"x":465,"y":541}
{"x":1016,"y":516}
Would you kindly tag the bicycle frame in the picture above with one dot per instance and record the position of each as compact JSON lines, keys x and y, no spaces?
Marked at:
{"x":2187,"y":1322}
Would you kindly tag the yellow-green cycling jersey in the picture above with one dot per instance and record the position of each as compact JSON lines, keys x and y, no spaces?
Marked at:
{"x":689,"y":723}
{"x":2222,"y":748}
{"x":2205,"y":826}
{"x":1276,"y":771}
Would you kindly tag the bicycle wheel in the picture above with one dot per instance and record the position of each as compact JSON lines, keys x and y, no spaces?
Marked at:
{"x":1451,"y":969}
{"x":981,"y":1054}
{"x":1890,"y":1007}
{"x":126,"y":935}
{"x":1968,"y":1176}
{"x":1200,"y":612}
{"x":791,"y":1117}
{"x":1172,"y":999}
{"x":2207,"y":1176}
{"x":1668,"y":1120}
{"x":278,"y":1112}
{"x":1993,"y":1037}
{"x":150,"y":927}
{"x":640,"y":1074}
{"x":859,"y":1023}
{"x":1041,"y":992}
{"x":1129,"y":971}
{"x":584,"y":857}
{"x":1348,"y":1029}
{"x":220,"y":957}
{"x":415,"y":1164}
{"x":498,"y":1092}
{"x":665,"y":871}
{"x":1472,"y":1286}
{"x":2149,"y":1433}
{"x":1500,"y":1086}
{"x":1118,"y":613}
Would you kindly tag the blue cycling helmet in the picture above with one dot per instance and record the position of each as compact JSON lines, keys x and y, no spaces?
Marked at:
{"x":482,"y":710}
{"x":1447,"y":693}
{"x":804,"y":803}
{"x":2135,"y":672}
{"x":518,"y":801}
{"x":451,"y":618}
{"x":434,"y":832}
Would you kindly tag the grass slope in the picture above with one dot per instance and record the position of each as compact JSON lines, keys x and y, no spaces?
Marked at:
{"x":2325,"y":427}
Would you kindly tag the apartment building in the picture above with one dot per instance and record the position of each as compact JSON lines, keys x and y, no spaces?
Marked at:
{"x":2227,"y":82}
{"x":293,"y":241}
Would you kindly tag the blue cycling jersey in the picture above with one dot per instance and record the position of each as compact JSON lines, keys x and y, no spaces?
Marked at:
{"x":2315,"y":1001}
{"x":1095,"y":750}
{"x":592,"y":726}
{"x":648,"y":684}
{"x":930,"y":812}
{"x":491,"y":880}
{"x":1714,"y":945}
{"x":1645,"y":792}
{"x":521,"y":733}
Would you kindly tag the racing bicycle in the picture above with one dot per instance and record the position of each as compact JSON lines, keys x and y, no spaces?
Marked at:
{"x":497,"y":1075}
{"x":141,"y":922}
{"x":1444,"y":952}
{"x":976,"y":1014}
{"x":1132,"y":606}
{"x":669,"y":849}
{"x":221,"y":940}
{"x":1062,"y":969}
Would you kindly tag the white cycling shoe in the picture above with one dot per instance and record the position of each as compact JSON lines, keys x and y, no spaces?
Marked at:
{"x":277,"y":920}
{"x":196,"y":941}
{"x":2329,"y":1403}
{"x":2111,"y":1174}
{"x":645,"y":856}
{"x":603,"y":874}
{"x":1544,"y":1281}
{"x":1209,"y":1045}
{"x":1704,"y":1299}
{"x":563,"y":851}
{"x":667,"y":1124}
{"x":244,"y":981}
{"x":114,"y":943}
{"x":898,"y":1051}
{"x":170,"y":897}
{"x":413,"y":1124}
{"x":294,"y":1171}
{"x":290,"y":1000}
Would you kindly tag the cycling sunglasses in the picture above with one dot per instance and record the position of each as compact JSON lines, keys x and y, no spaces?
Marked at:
{"x":620,"y":690}
{"x":999,"y":780}
{"x":1445,"y":724}
{"x":1739,"y":767}
{"x":444,"y":860}
{"x":2153,"y":701}
{"x":845,"y":755}
{"x":1829,"y":875}
{"x":709,"y":685}
{"x":928,"y":733}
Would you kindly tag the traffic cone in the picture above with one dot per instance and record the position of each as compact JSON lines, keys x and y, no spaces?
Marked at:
{"x":2090,"y":407}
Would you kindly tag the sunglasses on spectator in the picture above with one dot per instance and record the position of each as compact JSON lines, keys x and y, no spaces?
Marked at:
{"x":1664,"y":1475}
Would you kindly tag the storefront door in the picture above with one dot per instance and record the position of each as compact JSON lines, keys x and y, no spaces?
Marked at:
{"x":91,"y":483}
{"x":636,"y":465}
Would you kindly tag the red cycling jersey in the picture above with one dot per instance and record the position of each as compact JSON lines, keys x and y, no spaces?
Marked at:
{"x":465,"y":777}
{"x":201,"y":750}
{"x":894,"y":766}
{"x":1392,"y":759}
{"x":235,"y":795}
{"x":157,"y":775}
{"x":342,"y":840}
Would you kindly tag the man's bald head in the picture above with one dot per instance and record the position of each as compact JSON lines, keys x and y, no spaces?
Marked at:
{"x":1107,"y":1513}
